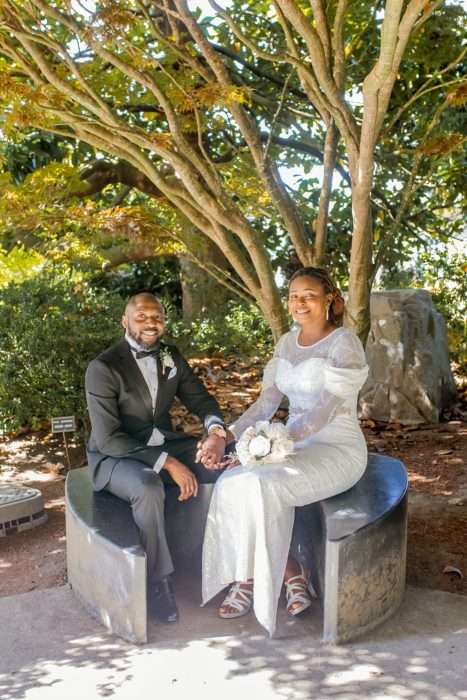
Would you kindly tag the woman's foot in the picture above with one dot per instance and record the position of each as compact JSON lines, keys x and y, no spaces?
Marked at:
{"x":238,"y":601}
{"x":296,"y":590}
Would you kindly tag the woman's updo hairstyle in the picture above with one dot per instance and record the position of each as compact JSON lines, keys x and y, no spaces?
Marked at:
{"x":336,"y":309}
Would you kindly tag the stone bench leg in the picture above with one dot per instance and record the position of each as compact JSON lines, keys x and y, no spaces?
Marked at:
{"x":109,"y":581}
{"x":364,"y":577}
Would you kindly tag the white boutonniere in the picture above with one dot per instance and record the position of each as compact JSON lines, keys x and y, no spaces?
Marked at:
{"x":167,"y":361}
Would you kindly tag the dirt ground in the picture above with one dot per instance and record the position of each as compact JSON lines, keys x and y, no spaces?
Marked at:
{"x":435,"y":456}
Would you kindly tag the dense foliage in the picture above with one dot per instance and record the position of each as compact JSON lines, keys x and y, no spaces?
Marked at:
{"x":135,"y":131}
{"x":446,"y":277}
{"x":53,"y":323}
{"x":161,"y":122}
{"x":239,"y":330}
{"x":50,"y":327}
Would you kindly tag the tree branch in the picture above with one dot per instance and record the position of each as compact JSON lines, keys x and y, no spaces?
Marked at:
{"x":102,"y":173}
{"x":256,"y":70}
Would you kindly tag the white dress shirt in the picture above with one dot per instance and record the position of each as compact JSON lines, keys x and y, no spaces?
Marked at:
{"x":148,"y":368}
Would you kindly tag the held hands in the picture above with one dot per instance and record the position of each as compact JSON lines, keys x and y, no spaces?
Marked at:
{"x":211,"y":452}
{"x":183,"y":477}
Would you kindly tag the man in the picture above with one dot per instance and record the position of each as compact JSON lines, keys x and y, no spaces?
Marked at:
{"x":133,"y":450}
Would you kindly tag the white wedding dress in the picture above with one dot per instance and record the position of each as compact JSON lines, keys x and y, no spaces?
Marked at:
{"x":251,"y":515}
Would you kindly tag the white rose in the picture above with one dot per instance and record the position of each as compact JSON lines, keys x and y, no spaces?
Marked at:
{"x":260,"y":446}
{"x":248,"y":434}
{"x":262,"y":426}
{"x":277,"y":431}
{"x":243,"y":454}
{"x":281,"y":449}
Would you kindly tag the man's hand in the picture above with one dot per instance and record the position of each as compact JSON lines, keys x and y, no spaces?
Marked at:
{"x":183,"y":477}
{"x":211,"y":451}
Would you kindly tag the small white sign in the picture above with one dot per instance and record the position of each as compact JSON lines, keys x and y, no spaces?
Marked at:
{"x":64,"y":424}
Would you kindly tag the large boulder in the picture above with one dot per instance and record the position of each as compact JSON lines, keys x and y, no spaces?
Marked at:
{"x":410,"y":380}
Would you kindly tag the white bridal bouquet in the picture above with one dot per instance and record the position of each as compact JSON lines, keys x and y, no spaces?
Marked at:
{"x":264,"y":442}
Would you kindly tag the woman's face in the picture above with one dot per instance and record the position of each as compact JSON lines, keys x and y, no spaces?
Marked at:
{"x":308,"y":301}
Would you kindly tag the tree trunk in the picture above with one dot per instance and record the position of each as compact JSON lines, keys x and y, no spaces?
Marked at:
{"x":274,"y":312}
{"x":199,"y":289}
{"x":358,"y":305}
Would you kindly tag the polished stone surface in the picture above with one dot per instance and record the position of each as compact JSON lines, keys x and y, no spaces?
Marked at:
{"x":378,"y":492}
{"x":105,"y":561}
{"x":354,"y":544}
{"x":21,"y":508}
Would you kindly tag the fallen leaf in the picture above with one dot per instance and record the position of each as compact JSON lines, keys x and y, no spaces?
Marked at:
{"x":453,"y":570}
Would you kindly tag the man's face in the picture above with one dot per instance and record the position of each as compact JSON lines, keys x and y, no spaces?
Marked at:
{"x":144,"y":321}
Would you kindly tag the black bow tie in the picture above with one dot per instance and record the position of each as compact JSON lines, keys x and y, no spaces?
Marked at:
{"x":146,"y":353}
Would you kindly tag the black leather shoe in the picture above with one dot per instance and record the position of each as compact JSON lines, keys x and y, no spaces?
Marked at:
{"x":161,"y":603}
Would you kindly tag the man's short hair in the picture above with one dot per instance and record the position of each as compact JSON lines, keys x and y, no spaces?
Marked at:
{"x":132,"y":301}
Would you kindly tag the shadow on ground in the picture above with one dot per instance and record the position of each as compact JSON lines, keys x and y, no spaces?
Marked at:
{"x":50,"y":649}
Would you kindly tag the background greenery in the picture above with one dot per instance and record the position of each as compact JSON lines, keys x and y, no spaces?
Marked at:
{"x":81,"y":229}
{"x":55,"y":320}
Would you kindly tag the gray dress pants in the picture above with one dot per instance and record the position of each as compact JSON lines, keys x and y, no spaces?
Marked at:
{"x":144,"y":490}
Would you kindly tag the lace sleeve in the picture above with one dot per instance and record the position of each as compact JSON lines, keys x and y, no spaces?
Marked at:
{"x":345,"y":372}
{"x":267,"y":402}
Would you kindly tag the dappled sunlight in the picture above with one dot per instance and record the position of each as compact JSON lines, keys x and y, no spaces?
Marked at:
{"x":47,"y":472}
{"x":7,"y":475}
{"x":417,"y":669}
{"x":358,"y":672}
{"x":56,"y":503}
{"x":402,"y":659}
{"x":29,"y":475}
{"x":422,"y":479}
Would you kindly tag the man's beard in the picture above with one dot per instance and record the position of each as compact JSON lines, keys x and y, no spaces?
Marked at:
{"x":142,"y":343}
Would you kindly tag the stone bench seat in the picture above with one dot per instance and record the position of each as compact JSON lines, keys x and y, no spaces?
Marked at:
{"x":354,"y":543}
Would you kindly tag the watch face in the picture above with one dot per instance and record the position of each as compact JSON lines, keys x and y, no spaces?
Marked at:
{"x":217,"y":430}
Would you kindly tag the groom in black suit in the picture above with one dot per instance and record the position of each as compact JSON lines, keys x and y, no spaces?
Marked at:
{"x":133,"y":450}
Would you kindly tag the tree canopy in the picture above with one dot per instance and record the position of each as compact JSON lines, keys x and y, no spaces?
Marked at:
{"x":167,"y":128}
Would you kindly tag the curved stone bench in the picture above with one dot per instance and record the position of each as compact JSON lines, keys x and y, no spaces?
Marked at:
{"x":105,"y":561}
{"x":354,"y":543}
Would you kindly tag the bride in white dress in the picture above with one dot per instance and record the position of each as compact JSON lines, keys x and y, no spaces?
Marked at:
{"x":320,"y":368}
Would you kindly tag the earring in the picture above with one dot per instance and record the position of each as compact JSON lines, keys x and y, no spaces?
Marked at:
{"x":327,"y":311}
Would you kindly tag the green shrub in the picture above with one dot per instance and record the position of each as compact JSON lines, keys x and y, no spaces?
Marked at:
{"x":445,"y":275}
{"x":237,"y":329}
{"x":51,"y":326}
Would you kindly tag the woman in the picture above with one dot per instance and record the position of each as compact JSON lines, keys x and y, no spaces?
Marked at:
{"x":320,"y":368}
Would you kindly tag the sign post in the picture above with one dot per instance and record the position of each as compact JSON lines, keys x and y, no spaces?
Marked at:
{"x":64,"y":425}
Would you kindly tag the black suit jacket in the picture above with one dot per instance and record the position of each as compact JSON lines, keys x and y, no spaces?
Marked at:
{"x":120,"y":408}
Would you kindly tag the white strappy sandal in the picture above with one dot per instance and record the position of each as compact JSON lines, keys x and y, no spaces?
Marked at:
{"x":298,"y":590}
{"x":240,"y":598}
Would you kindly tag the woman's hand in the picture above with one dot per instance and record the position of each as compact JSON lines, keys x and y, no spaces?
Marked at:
{"x":230,"y":461}
{"x":211,"y":451}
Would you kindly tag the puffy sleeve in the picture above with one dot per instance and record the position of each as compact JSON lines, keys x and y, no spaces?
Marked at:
{"x":345,"y":372}
{"x":267,"y":402}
